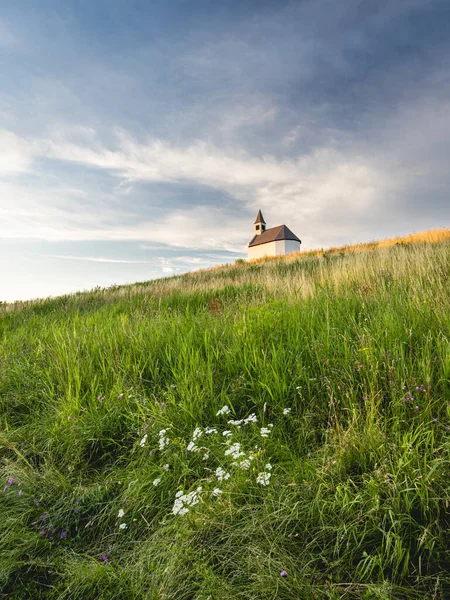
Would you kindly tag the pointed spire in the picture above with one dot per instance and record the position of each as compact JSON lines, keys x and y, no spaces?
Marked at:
{"x":259,"y":218}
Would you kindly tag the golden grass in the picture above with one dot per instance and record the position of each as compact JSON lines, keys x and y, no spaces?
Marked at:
{"x":431,"y":236}
{"x":298,"y":284}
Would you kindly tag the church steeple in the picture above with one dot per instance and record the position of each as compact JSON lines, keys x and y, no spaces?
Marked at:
{"x":260,"y":224}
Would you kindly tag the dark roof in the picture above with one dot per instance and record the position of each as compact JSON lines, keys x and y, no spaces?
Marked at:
{"x":259,"y":218}
{"x":274,"y":234}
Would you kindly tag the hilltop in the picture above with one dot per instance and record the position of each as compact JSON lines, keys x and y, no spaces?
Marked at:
{"x":270,"y":429}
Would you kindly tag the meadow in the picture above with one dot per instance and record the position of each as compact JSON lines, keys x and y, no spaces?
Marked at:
{"x":278,"y":429}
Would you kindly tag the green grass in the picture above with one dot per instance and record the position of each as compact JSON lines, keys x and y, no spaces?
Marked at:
{"x":357,"y":506}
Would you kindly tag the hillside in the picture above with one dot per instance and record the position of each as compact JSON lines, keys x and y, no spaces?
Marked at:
{"x":276,"y":429}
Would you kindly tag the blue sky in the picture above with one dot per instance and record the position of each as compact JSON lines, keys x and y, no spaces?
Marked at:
{"x":138,"y":139}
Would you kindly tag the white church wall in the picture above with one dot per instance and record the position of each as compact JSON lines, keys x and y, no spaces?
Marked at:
{"x":291,"y":246}
{"x":261,"y":250}
{"x":277,"y":248}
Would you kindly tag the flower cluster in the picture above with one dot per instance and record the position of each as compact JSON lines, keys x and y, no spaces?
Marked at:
{"x":221,"y":474}
{"x":223,"y":411}
{"x":264,"y":477}
{"x":235,"y":451}
{"x":163,"y":440}
{"x":266,"y":430}
{"x":184,"y":501}
{"x":252,"y":418}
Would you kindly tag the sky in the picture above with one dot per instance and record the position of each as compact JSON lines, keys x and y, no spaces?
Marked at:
{"x":139,"y":139}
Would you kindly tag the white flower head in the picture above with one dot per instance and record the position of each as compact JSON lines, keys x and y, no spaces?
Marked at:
{"x":286,"y":411}
{"x":156,"y":481}
{"x":263,"y":478}
{"x":223,"y":411}
{"x":163,"y":440}
{"x":192,"y":447}
{"x":216,"y":492}
{"x":120,"y":513}
{"x":144,"y":439}
{"x":226,"y":433}
{"x":197,"y":433}
{"x":265,"y":432}
{"x":183,"y":501}
{"x":235,"y":451}
{"x":252,"y":418}
{"x":221,"y":474}
{"x":166,"y":467}
{"x":123,"y":526}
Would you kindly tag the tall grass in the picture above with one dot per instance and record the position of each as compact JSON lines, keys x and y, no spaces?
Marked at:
{"x":355,"y":344}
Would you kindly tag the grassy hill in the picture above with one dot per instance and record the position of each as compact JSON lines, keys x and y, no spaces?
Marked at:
{"x":277,"y":429}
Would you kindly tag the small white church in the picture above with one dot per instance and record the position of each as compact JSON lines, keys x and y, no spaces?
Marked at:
{"x":271,"y":242}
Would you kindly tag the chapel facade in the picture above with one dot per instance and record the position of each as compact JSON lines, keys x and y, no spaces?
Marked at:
{"x":275,"y":241}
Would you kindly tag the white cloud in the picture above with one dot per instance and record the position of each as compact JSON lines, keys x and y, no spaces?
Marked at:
{"x":16,"y":154}
{"x":99,"y":259}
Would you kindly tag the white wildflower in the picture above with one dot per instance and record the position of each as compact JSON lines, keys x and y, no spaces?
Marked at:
{"x":144,"y":439}
{"x":245,"y":464}
{"x":235,"y":422}
{"x":263,"y":478}
{"x":221,"y":474}
{"x":197,"y":433}
{"x":268,"y":467}
{"x":286,"y":411}
{"x":166,"y":467}
{"x":235,"y":451}
{"x":121,"y":513}
{"x":206,"y":457}
{"x":183,"y":501}
{"x":123,"y":526}
{"x":265,"y":432}
{"x":252,"y":418}
{"x":223,"y":411}
{"x":156,"y":481}
{"x":226,"y":433}
{"x":163,"y":440}
{"x":216,"y":492}
{"x":210,"y":430}
{"x":192,"y":447}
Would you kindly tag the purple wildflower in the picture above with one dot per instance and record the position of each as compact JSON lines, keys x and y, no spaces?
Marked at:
{"x":120,"y":396}
{"x":64,"y":534}
{"x":100,"y":398}
{"x":104,"y":558}
{"x":283,"y":574}
{"x":20,"y":492}
{"x":10,"y":480}
{"x":417,"y":407}
{"x":69,"y":418}
{"x":42,"y":532}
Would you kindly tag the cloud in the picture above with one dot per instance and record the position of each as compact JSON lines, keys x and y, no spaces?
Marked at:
{"x":16,"y":153}
{"x":99,"y":259}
